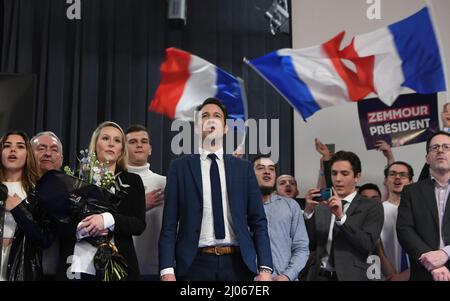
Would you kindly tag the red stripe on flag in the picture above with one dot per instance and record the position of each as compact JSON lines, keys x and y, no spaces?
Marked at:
{"x":174,"y":75}
{"x":359,"y":84}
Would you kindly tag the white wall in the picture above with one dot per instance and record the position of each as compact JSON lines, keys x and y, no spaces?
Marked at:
{"x":316,"y":21}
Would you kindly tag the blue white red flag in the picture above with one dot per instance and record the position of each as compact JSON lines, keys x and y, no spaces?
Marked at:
{"x":404,"y":54}
{"x":187,"y":80}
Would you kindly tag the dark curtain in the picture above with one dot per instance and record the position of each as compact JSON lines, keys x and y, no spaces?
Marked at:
{"x":106,"y":65}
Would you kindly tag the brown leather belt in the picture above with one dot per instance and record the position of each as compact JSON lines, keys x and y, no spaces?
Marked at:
{"x":219,"y":250}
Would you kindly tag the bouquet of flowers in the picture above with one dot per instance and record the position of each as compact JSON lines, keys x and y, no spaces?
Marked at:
{"x":71,"y":199}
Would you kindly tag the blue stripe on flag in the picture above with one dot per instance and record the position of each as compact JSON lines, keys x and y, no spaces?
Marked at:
{"x":229,"y":92}
{"x":280,"y":72}
{"x":417,"y":47}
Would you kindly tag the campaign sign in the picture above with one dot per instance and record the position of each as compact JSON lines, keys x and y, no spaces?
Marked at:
{"x":411,"y":119}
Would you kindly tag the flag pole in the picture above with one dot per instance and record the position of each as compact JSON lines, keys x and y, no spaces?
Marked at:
{"x":241,"y":146}
{"x":270,"y":83}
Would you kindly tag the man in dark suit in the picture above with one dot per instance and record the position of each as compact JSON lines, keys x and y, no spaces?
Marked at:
{"x":343,"y":229}
{"x":423,"y":222}
{"x":214,"y":226}
{"x":48,"y":150}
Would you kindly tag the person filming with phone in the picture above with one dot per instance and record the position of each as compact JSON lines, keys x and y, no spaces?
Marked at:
{"x":343,"y":226}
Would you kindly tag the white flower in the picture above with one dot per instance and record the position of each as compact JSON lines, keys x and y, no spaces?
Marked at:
{"x":96,"y":178}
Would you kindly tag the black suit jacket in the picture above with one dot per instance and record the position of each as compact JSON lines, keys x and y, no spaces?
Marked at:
{"x":353,"y":241}
{"x":418,"y":225}
{"x":129,"y":221}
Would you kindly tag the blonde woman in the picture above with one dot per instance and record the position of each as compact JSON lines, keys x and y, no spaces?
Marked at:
{"x":108,"y":143}
{"x":25,"y":230}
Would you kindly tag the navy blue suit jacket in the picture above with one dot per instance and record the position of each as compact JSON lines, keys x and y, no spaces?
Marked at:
{"x":183,"y":211}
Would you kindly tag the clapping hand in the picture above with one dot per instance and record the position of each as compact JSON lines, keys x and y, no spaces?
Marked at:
{"x":323,"y":150}
{"x":384,"y":147}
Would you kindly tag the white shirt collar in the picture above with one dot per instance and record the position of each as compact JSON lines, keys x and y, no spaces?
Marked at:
{"x":436,"y":183}
{"x":204,"y":153}
{"x":349,"y":198}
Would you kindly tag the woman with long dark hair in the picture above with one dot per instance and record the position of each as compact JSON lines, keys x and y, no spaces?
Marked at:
{"x":25,"y":228}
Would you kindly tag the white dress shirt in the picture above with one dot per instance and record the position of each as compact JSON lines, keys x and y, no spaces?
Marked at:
{"x":10,"y":225}
{"x":207,"y":237}
{"x":391,"y":245}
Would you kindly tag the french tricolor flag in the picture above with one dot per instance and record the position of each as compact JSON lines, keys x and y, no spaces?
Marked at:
{"x":187,"y":80}
{"x":404,"y":54}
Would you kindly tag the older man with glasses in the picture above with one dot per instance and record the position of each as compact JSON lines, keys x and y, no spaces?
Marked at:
{"x":423,"y":222}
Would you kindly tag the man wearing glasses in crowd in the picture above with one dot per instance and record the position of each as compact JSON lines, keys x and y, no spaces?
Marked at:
{"x":394,"y":261}
{"x":423,"y":222}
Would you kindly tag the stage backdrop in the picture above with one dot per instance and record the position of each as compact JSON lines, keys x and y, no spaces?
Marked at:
{"x":17,"y":95}
{"x":106,"y":65}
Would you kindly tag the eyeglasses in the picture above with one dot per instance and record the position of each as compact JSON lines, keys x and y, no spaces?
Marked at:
{"x":436,"y":147}
{"x":401,"y":175}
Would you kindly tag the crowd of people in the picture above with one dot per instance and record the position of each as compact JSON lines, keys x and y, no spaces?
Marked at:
{"x":218,"y":217}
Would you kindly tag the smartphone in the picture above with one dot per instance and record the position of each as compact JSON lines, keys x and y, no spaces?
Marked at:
{"x":325,"y":194}
{"x":331,"y":147}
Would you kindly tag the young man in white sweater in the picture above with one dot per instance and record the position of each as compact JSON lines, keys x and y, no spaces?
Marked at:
{"x":146,"y":245}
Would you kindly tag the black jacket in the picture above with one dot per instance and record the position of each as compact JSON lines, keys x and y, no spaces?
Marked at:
{"x":418,"y":225}
{"x":129,"y":221}
{"x":353,"y":241}
{"x":34,"y":232}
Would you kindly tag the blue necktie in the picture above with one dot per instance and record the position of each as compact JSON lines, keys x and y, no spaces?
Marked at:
{"x":404,"y":261}
{"x":216,"y":196}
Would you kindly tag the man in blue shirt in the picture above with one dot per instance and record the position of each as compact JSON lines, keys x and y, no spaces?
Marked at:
{"x":287,"y":232}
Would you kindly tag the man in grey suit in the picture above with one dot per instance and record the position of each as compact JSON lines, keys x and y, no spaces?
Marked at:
{"x":343,"y":228}
{"x":423,"y":221}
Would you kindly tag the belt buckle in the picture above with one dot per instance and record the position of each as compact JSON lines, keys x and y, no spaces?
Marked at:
{"x":216,"y":251}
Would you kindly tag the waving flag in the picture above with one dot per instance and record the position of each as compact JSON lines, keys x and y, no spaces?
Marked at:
{"x":404,"y":54}
{"x":187,"y":80}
